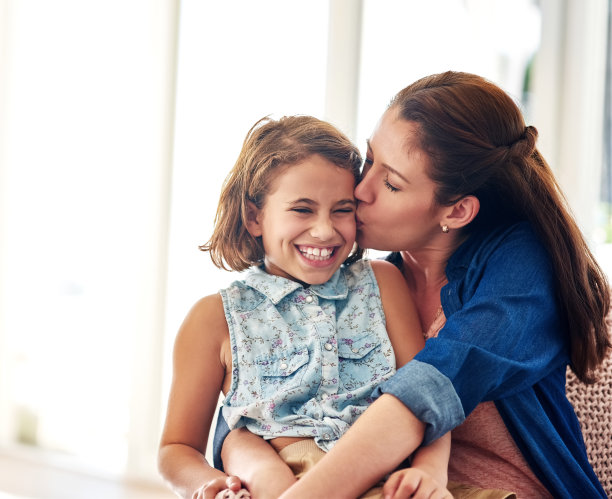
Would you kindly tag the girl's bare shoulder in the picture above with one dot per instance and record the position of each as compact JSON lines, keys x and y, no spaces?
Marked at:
{"x":205,"y":323}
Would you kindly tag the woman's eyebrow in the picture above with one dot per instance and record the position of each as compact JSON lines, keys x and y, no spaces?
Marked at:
{"x":395,"y":172}
{"x":387,"y":167}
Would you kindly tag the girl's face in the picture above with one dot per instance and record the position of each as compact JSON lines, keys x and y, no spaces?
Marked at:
{"x":396,"y":208}
{"x":307,"y":222}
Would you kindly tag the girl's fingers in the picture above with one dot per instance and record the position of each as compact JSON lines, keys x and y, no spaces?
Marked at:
{"x":233,"y":483}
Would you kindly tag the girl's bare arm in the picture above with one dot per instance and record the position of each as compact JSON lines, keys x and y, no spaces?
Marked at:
{"x":259,"y":466}
{"x":200,"y":362}
{"x":402,"y":319}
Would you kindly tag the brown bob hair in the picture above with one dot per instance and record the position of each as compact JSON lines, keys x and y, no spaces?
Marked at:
{"x":478,"y":144}
{"x":270,"y":146}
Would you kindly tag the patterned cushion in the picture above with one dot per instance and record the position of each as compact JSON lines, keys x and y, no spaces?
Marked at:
{"x":593,"y":406}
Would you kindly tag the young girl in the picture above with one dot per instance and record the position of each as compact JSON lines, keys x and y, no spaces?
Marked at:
{"x":299,"y":344}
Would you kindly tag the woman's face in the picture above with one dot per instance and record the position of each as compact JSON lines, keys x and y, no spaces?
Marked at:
{"x":396,"y":208}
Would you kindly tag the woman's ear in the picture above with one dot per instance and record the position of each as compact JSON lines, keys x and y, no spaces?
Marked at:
{"x":252,"y":220}
{"x":462,"y":212}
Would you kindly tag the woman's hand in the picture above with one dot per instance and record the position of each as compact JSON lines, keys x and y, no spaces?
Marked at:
{"x":416,"y":483}
{"x":210,"y":489}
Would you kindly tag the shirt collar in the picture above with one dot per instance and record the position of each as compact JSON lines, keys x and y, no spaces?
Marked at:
{"x":275,"y":288}
{"x":478,"y":246}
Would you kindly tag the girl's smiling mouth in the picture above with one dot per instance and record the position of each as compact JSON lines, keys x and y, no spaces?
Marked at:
{"x":315,"y":253}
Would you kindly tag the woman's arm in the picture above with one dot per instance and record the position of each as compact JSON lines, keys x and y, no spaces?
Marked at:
{"x":200,"y":362}
{"x":377,"y":442}
{"x":427,"y":476}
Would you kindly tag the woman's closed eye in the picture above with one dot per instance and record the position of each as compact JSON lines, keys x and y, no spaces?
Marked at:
{"x":390,"y":186}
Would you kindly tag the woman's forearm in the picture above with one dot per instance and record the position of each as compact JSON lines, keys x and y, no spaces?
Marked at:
{"x":434,"y":458}
{"x":379,"y":441}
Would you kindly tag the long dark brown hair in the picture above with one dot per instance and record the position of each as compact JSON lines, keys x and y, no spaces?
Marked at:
{"x":479,"y":145}
{"x":269,"y":147}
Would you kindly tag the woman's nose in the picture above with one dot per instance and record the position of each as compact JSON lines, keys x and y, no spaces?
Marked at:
{"x":363,"y":191}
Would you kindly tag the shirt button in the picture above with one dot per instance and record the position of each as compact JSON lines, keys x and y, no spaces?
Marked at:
{"x":326,"y":436}
{"x":355,"y":350}
{"x":328,"y":346}
{"x":309,"y":299}
{"x":283,"y":366}
{"x":324,"y":396}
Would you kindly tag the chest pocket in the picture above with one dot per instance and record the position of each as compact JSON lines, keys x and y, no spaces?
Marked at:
{"x":282,"y":373}
{"x":360,"y":362}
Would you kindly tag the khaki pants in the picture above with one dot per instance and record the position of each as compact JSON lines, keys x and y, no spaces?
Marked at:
{"x":303,"y":455}
{"x":460,"y":491}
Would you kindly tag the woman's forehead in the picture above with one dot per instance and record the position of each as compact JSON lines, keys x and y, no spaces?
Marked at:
{"x":395,"y":136}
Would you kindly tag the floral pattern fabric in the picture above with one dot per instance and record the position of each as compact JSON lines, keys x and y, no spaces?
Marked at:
{"x":305,"y":360}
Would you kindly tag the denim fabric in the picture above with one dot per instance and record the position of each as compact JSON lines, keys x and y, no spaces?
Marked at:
{"x":305,"y":360}
{"x":221,"y":431}
{"x":504,"y":340}
{"x":437,"y":400}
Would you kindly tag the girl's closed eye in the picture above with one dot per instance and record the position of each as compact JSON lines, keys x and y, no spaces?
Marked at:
{"x":345,"y":210}
{"x":301,"y":209}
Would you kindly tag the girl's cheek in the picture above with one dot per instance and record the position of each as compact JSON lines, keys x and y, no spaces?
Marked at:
{"x":350,"y":229}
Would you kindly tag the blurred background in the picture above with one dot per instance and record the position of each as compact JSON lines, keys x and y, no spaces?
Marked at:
{"x":119,"y":120}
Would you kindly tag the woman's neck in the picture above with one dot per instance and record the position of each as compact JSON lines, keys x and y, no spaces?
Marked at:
{"x":425,"y":275}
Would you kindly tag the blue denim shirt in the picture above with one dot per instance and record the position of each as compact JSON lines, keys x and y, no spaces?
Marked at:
{"x":305,"y":360}
{"x":504,"y":340}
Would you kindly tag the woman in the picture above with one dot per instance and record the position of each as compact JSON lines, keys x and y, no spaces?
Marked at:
{"x":454,"y":186}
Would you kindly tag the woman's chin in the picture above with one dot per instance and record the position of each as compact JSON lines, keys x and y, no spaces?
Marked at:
{"x":367,"y":242}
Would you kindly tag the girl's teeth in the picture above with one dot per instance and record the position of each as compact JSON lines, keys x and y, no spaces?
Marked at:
{"x":316,"y":253}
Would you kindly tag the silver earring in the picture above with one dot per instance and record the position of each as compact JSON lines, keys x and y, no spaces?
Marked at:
{"x":445,"y":228}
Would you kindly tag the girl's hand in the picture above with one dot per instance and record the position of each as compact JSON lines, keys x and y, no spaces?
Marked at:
{"x":228,"y":494}
{"x":210,"y":489}
{"x":416,"y":483}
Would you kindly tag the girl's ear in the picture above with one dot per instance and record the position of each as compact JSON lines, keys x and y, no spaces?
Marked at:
{"x":462,"y":212}
{"x":252,"y":220}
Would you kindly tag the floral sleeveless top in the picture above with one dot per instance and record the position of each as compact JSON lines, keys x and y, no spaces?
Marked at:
{"x":305,"y":360}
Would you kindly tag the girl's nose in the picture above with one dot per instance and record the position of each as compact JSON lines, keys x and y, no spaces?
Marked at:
{"x":323,"y":229}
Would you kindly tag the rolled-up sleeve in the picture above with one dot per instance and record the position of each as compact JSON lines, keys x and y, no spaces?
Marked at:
{"x":435,"y":403}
